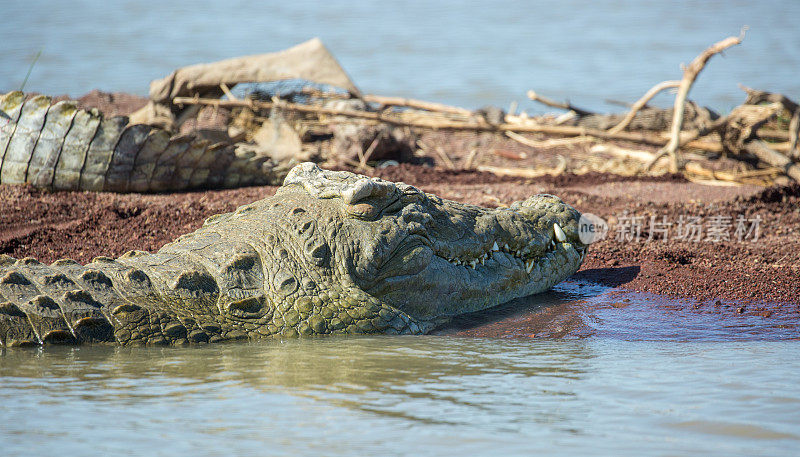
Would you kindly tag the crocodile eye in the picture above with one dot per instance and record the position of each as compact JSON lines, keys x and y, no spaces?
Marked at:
{"x":362,"y":210}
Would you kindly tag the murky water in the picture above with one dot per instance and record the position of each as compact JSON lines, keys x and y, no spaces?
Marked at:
{"x":636,"y":380}
{"x":468,"y":53}
{"x":581,"y":371}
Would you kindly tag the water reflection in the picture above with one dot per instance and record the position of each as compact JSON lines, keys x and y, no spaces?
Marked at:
{"x":422,"y":379}
{"x":443,"y":395}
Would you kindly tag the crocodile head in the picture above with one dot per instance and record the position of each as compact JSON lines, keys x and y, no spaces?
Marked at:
{"x":388,"y":257}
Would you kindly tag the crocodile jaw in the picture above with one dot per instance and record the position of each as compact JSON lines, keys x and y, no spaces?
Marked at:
{"x":432,"y":258}
{"x":507,"y":254}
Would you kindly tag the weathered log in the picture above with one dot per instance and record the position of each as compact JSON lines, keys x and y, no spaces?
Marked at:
{"x":554,"y":104}
{"x":641,"y":103}
{"x":689,"y":76}
{"x":768,"y":155}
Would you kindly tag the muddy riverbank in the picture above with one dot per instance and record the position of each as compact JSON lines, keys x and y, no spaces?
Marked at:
{"x":729,"y":249}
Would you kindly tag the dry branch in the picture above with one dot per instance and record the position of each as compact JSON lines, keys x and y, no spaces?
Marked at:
{"x":622,"y":153}
{"x":439,"y":152}
{"x":417,"y":104}
{"x":549,"y":143}
{"x":554,"y":104}
{"x":473,"y":154}
{"x":641,"y":104}
{"x":768,"y":155}
{"x":689,"y":75}
{"x":794,"y":136}
{"x":759,"y":177}
{"x":227,"y":91}
{"x":428,"y":124}
{"x":757,"y":97}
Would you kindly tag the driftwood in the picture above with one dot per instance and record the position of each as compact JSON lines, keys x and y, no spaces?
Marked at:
{"x":757,"y":97}
{"x":768,"y":155}
{"x":570,"y":131}
{"x":794,"y":136}
{"x":473,"y":154}
{"x":641,"y":103}
{"x":685,"y":126}
{"x":549,"y":143}
{"x":417,"y":104}
{"x":689,"y":76}
{"x":741,"y":135}
{"x":439,"y":152}
{"x":554,"y":104}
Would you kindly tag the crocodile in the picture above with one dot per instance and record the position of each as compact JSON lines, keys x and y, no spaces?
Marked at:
{"x":58,"y":146}
{"x":331,"y":252}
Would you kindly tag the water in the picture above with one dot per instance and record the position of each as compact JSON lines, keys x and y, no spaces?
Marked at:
{"x":569,"y":372}
{"x":405,"y":396}
{"x":468,"y":53}
{"x":579,"y":371}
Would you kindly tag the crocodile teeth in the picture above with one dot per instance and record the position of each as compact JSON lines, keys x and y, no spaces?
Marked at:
{"x":495,"y":247}
{"x":552,"y":244}
{"x":529,"y":266}
{"x":473,"y":263}
{"x":506,"y":248}
{"x":560,"y":235}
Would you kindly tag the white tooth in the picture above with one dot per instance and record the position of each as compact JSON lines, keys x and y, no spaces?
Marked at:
{"x":485,"y":256}
{"x":473,"y":263}
{"x":560,"y":235}
{"x":552,"y":244}
{"x":506,"y":248}
{"x":482,"y":260}
{"x":529,"y":266}
{"x":495,"y":247}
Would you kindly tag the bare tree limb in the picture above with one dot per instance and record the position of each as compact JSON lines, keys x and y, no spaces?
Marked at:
{"x":641,"y":104}
{"x":794,"y":134}
{"x":549,"y":143}
{"x":418,"y":104}
{"x":554,"y":104}
{"x":768,"y":155}
{"x":439,"y":152}
{"x":471,"y":158}
{"x":689,"y":76}
{"x":436,"y":124}
{"x":757,"y":97}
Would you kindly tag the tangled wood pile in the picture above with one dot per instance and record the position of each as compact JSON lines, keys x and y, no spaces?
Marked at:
{"x":759,"y":137}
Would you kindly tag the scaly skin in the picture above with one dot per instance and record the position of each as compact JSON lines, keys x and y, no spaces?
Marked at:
{"x":331,"y":252}
{"x":59,"y":147}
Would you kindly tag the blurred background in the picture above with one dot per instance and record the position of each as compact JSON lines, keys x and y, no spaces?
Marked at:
{"x":468,"y":53}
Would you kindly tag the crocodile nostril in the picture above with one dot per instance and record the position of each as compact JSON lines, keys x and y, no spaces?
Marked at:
{"x":317,"y":251}
{"x":285,"y":283}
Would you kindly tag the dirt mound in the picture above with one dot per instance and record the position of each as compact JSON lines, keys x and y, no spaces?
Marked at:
{"x":776,"y":194}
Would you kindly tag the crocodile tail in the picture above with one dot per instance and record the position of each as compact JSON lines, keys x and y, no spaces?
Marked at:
{"x":41,"y":304}
{"x":121,"y":301}
{"x":60,"y":147}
